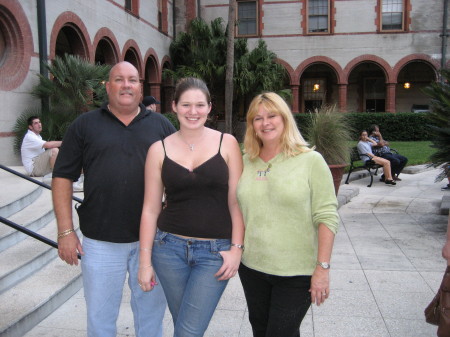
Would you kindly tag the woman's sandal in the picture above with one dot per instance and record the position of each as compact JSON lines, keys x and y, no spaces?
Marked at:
{"x":390,"y":182}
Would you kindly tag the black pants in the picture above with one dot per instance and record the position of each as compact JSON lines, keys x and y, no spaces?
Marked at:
{"x":398,"y":162}
{"x":276,"y":304}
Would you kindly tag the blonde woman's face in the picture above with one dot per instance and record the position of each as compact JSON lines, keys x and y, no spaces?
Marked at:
{"x":268,"y":126}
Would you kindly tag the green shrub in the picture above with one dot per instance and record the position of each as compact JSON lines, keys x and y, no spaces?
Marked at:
{"x":172,"y":117}
{"x":403,"y":126}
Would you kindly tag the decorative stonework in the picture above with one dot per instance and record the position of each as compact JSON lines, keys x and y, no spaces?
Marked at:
{"x":17,"y":45}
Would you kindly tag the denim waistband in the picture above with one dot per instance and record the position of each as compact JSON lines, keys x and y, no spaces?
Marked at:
{"x":212,"y":244}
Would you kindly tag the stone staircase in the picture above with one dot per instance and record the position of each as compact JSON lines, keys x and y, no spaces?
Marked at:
{"x":33,"y":280}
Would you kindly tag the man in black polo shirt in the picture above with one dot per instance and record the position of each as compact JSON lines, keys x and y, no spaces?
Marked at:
{"x":110,"y":145}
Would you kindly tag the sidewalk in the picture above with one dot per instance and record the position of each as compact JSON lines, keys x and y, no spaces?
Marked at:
{"x":386,"y":267}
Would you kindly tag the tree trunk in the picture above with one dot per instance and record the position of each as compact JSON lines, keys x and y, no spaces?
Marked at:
{"x":230,"y":67}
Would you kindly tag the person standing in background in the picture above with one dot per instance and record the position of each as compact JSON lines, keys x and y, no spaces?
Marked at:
{"x":150,"y":102}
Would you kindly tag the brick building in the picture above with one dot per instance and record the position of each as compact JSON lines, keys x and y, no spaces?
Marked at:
{"x":363,"y":55}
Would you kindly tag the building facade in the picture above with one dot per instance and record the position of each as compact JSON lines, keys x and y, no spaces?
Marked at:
{"x":362,"y":55}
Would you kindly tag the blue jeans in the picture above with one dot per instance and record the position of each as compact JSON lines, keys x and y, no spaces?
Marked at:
{"x":186,"y":268}
{"x":398,"y":162}
{"x":104,"y":269}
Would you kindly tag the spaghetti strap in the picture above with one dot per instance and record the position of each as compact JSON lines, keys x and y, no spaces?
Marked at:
{"x":220,"y":145}
{"x":164,"y":147}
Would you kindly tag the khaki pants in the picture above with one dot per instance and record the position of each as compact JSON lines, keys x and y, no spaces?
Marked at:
{"x":41,"y":164}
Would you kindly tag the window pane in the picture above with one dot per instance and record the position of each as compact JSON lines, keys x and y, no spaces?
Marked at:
{"x":247,"y":18}
{"x":392,"y":6}
{"x":318,"y":24}
{"x":392,"y":15}
{"x":392,"y":21}
{"x":318,"y":15}
{"x":318,"y":7}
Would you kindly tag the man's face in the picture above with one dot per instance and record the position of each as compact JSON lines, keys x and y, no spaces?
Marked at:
{"x":36,"y":126}
{"x":124,"y":87}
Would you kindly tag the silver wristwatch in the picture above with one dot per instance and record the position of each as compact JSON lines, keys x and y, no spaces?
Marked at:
{"x":324,"y":265}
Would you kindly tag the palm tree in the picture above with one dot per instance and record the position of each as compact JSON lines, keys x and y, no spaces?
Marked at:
{"x":440,"y":122}
{"x":75,"y":86}
{"x":229,"y":87}
{"x":200,"y":52}
{"x":257,"y":71}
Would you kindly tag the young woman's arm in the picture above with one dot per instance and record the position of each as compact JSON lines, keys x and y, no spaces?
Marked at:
{"x":232,"y":258}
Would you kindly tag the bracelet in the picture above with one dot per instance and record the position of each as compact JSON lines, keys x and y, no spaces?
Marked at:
{"x":238,"y":246}
{"x":65,"y":233}
{"x":145,"y":249}
{"x":149,"y":266}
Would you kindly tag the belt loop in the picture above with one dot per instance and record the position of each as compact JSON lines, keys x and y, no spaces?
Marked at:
{"x":162,"y":235}
{"x":214,"y":248}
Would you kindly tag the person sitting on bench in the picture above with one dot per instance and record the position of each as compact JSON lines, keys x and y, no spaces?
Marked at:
{"x":364,"y":146}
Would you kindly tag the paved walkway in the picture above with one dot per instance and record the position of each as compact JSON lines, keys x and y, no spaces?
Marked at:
{"x":386,"y":267}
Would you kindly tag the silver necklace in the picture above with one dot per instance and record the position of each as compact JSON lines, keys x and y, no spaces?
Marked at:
{"x":190,"y":145}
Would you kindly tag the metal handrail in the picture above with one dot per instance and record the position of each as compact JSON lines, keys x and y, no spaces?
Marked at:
{"x":24,"y":229}
{"x":40,"y":183}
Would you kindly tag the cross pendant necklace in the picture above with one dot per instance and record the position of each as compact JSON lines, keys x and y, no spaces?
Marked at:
{"x":190,"y":145}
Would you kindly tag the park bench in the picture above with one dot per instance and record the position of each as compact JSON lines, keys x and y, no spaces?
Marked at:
{"x":357,"y":163}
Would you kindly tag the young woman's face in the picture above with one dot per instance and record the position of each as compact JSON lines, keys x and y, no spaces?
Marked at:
{"x":192,"y":108}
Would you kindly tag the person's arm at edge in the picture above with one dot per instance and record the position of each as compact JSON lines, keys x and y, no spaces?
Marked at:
{"x":52,"y":144}
{"x":150,"y":212}
{"x":232,"y":258}
{"x":446,"y":248}
{"x":69,"y":245}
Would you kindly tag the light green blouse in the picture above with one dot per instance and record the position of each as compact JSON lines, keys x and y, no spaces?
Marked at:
{"x":283,"y":202}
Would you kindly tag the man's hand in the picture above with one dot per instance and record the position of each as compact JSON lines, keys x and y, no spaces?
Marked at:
{"x":68,"y":248}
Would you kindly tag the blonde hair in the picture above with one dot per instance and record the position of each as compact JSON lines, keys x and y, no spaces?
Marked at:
{"x":292,"y":142}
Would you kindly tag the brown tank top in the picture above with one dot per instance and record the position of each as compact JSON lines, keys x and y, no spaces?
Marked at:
{"x":197,"y":200}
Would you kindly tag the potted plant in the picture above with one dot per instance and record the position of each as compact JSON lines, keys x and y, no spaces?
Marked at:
{"x":330,"y":133}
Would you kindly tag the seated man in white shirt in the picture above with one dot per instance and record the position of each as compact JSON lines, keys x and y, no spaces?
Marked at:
{"x":38,"y":155}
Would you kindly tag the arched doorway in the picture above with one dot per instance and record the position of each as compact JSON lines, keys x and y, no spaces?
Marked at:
{"x":412,"y":78}
{"x":151,"y":83}
{"x":366,"y":89}
{"x":71,"y":41}
{"x":105,"y":52}
{"x":318,"y":85}
{"x":132,"y":57}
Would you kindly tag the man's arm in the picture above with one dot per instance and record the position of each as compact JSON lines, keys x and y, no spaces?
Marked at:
{"x":381,"y":141}
{"x":52,"y":144}
{"x":68,"y":245}
{"x":446,"y":249}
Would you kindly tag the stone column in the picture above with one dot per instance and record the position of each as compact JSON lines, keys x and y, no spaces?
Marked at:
{"x":342,"y":100}
{"x":390,"y":97}
{"x":295,"y":98}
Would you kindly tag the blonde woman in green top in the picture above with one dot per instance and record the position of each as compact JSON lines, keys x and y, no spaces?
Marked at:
{"x":287,"y":198}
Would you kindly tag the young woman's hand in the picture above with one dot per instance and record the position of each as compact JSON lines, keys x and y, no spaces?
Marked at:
{"x":230,"y":266}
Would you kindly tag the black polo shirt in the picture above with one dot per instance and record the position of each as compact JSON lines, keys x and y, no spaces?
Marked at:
{"x":112,"y":157}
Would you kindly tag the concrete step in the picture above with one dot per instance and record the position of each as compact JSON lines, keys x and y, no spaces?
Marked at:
{"x":34,"y":217}
{"x":30,"y":255}
{"x":16,"y":193}
{"x":29,"y":302}
{"x":33,"y":280}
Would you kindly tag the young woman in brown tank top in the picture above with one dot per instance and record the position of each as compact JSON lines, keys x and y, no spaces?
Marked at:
{"x":195,"y":243}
